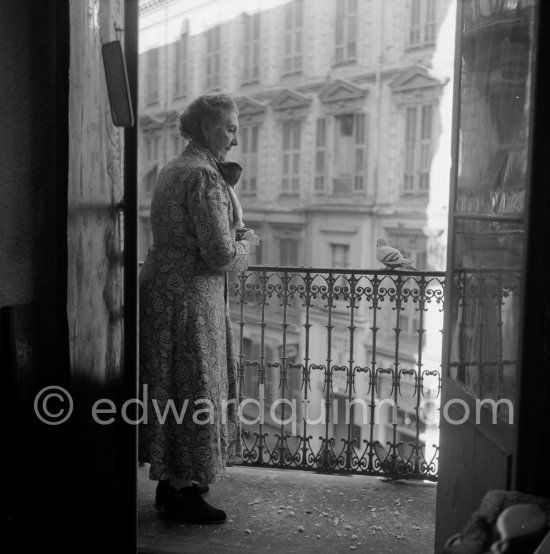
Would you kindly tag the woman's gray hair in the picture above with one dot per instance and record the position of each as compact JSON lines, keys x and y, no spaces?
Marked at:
{"x":207,"y":106}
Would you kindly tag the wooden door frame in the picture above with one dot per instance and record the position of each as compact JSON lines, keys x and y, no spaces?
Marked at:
{"x":129,"y":376}
{"x":531,"y":473}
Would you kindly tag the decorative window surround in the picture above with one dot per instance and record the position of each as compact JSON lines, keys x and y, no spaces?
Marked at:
{"x":181,"y":61}
{"x":289,"y":104}
{"x":345,"y":48}
{"x":251,"y":112}
{"x":416,"y":83}
{"x":342,"y":97}
{"x":251,"y":48}
{"x":213,"y":58}
{"x":293,"y":37}
{"x":345,"y":104}
{"x":416,"y":93}
{"x":422,"y":23}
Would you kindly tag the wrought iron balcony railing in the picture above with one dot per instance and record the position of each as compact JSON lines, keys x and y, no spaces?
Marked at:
{"x":339,"y":369}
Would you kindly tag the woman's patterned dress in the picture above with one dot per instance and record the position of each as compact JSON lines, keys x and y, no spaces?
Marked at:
{"x":187,"y":361}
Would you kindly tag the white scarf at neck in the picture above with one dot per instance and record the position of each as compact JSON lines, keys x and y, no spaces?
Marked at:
{"x":237,"y":208}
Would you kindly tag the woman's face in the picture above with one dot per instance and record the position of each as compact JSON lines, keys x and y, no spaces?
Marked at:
{"x":221,"y":134}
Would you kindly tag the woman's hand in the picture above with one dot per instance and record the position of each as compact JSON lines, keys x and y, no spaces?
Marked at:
{"x":252,"y":238}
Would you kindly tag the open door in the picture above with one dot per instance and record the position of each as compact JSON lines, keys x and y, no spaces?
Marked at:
{"x":495,"y":60}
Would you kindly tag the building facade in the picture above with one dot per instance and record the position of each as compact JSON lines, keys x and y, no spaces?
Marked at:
{"x":345,"y":125}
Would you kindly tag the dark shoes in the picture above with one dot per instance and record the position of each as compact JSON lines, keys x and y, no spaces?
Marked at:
{"x":163,"y":489}
{"x":187,"y":504}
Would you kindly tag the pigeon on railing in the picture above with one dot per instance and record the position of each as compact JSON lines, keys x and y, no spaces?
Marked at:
{"x":392,"y":258}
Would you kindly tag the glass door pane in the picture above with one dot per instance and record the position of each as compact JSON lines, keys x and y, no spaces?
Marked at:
{"x":491,"y":182}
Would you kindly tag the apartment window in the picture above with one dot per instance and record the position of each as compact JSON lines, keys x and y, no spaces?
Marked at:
{"x":294,"y":32}
{"x":340,"y":260}
{"x":359,"y":173}
{"x":176,"y":145}
{"x":421,"y":260}
{"x":151,"y":153}
{"x":288,"y":252}
{"x":422,"y":22}
{"x":346,"y":31}
{"x":320,"y":154}
{"x":418,"y":148}
{"x":151,"y":179}
{"x":251,"y":387}
{"x":251,"y":352}
{"x":180,"y":66}
{"x":249,"y":151}
{"x":344,"y":417}
{"x":272,"y":378}
{"x":152,"y":76}
{"x":341,"y":350}
{"x":429,"y":21}
{"x":350,"y":159}
{"x":340,"y":255}
{"x":409,"y":321}
{"x":291,"y":157}
{"x":213,"y":57}
{"x":251,"y":48}
{"x":293,"y":385}
{"x":409,"y":316}
{"x":152,"y":143}
{"x":258,"y":254}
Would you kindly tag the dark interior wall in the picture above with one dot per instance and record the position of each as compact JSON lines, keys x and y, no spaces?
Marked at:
{"x":18,"y":228}
{"x":71,"y":487}
{"x":27,"y":151}
{"x":34,"y":55}
{"x":33,"y":174}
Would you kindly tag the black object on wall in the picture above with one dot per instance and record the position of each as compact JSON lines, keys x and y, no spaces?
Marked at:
{"x":117,"y":84}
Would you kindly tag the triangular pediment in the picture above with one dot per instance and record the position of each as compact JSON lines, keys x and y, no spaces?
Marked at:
{"x":289,"y":100}
{"x":158,"y":119}
{"x":416,"y":78}
{"x":341,"y":91}
{"x":249,"y":106}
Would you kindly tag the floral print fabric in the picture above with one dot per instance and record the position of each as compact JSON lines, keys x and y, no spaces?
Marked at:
{"x":187,"y":361}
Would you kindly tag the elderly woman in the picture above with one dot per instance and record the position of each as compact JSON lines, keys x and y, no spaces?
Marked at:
{"x":186,"y":354}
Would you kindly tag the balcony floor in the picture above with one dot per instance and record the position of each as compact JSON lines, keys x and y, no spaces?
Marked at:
{"x":287,"y":511}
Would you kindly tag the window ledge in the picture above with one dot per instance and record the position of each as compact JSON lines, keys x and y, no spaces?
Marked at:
{"x":292,"y":73}
{"x":350,"y":61}
{"x":415,"y":193}
{"x":420,"y":46}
